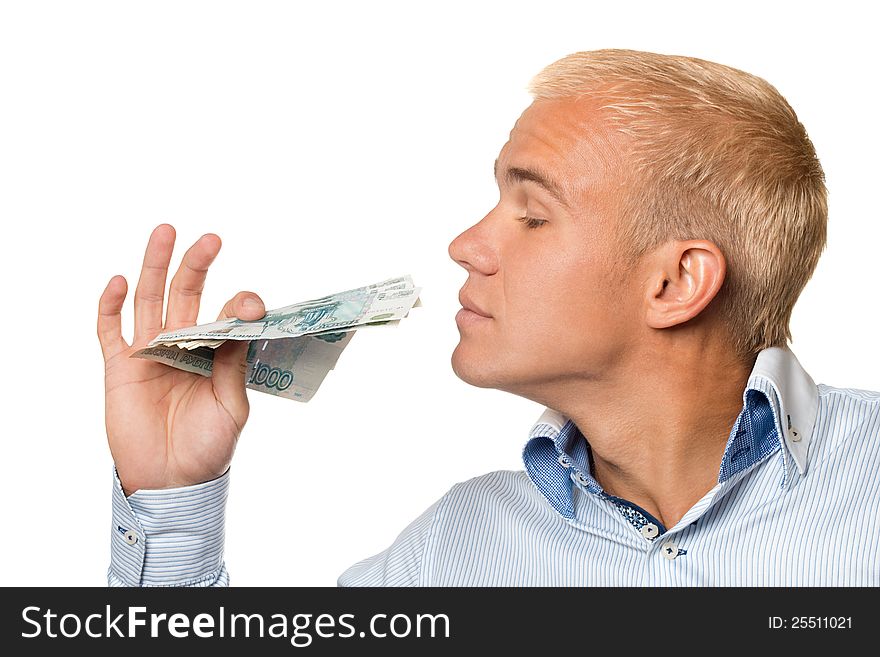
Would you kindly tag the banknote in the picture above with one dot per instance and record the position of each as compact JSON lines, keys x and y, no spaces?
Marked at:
{"x":291,"y":349}
{"x":390,"y":300}
{"x":293,"y":368}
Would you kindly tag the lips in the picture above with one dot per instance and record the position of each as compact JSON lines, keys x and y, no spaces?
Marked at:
{"x":468,"y":304}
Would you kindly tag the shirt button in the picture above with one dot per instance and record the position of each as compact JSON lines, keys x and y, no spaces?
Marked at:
{"x":670,"y":550}
{"x":579,"y":478}
{"x":130,"y":537}
{"x":795,"y":435}
{"x":564,"y":461}
{"x":650,"y":530}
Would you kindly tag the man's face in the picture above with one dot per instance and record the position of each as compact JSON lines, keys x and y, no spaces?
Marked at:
{"x":541,"y":264}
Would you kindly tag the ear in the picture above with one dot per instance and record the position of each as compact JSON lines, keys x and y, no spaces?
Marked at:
{"x":685,"y":277}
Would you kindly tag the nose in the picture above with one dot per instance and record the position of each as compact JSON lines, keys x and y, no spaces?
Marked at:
{"x":474,"y":250}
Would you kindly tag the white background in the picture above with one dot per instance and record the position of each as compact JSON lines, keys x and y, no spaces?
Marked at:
{"x":333,"y":146}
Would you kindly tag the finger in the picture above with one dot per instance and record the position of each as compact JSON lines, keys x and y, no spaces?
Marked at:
{"x":230,"y":359}
{"x":244,"y":305}
{"x":185,"y":293}
{"x":110,"y":317}
{"x":228,"y":376}
{"x":150,"y":292}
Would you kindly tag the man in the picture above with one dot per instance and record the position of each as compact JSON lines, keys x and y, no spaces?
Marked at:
{"x":658,"y":218}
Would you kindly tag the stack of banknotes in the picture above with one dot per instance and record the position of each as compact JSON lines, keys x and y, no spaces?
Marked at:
{"x":290,"y":349}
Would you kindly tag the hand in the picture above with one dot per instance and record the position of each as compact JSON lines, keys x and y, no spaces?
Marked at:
{"x":166,"y":427}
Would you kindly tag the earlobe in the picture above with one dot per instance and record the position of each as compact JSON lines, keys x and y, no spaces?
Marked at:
{"x":688,"y":277}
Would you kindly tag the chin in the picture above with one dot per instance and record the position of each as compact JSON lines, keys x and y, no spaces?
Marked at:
{"x":472,"y":370}
{"x":485,"y":371}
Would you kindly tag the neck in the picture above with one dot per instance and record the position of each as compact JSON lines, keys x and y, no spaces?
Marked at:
{"x":657,"y":434}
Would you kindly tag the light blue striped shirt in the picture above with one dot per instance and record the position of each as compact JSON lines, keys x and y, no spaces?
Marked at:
{"x":795,"y":504}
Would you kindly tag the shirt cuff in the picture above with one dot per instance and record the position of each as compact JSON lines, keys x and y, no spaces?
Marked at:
{"x":170,"y":537}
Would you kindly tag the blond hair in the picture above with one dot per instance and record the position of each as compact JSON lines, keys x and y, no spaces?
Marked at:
{"x":719,"y":155}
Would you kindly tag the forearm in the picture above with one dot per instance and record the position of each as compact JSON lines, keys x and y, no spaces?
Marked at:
{"x":171,"y":537}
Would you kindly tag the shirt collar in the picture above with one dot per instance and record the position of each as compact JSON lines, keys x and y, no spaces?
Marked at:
{"x":796,"y":397}
{"x":556,"y":453}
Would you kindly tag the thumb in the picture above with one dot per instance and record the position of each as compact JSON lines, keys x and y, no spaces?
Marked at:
{"x":244,"y":305}
{"x":230,"y":358}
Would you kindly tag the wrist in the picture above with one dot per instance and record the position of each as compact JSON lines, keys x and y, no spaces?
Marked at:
{"x":175,"y":484}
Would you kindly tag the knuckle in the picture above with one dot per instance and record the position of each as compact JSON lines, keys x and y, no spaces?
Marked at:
{"x":148,"y":297}
{"x":188,"y":291}
{"x":198,"y":271}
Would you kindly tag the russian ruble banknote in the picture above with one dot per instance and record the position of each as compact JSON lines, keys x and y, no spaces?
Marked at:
{"x":290,"y":349}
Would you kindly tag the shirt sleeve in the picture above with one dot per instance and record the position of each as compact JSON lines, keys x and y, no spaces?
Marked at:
{"x":170,"y":537}
{"x":404,"y":563}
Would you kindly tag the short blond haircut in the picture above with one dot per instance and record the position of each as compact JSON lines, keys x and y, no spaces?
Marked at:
{"x":719,"y":155}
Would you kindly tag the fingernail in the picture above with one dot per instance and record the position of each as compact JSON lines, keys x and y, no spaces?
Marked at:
{"x":252,"y":304}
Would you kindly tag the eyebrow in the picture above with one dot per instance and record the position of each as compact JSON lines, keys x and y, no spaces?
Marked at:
{"x":522,"y":174}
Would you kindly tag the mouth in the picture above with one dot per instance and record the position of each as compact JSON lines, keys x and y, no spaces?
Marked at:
{"x":469,"y":306}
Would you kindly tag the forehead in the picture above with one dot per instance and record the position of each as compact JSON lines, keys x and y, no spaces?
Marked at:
{"x":569,"y":139}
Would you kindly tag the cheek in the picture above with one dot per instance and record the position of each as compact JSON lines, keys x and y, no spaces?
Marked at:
{"x":539,"y":303}
{"x":564,"y":301}
{"x":560,"y":274}
{"x":550,"y":279}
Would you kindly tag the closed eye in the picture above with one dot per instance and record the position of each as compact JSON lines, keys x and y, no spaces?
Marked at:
{"x":531,"y":222}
